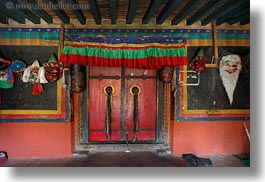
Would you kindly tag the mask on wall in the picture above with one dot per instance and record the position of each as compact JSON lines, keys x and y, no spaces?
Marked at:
{"x":229,"y":67}
{"x":34,"y":74}
{"x":7,"y":70}
{"x":53,"y":69}
{"x":4,"y":83}
{"x":198,"y":63}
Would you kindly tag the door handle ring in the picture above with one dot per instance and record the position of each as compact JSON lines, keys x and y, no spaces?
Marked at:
{"x":108,"y":88}
{"x":135,"y":90}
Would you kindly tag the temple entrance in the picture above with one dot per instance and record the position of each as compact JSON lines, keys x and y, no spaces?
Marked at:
{"x":122,"y":105}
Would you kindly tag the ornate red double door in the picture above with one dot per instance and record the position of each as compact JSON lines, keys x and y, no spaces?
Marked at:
{"x":122,"y":105}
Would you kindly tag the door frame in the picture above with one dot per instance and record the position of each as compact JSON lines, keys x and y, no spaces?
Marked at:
{"x":81,"y":119}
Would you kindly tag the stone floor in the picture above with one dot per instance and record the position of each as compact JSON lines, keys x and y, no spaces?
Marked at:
{"x":122,"y":159}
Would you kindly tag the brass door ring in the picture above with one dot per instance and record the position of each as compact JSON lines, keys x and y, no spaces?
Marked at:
{"x":135,"y":90}
{"x":108,"y":89}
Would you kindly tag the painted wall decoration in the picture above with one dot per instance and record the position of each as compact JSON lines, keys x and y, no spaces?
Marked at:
{"x":19,"y":104}
{"x":50,"y":36}
{"x":208,"y":99}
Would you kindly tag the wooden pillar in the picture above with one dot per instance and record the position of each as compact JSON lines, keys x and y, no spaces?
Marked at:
{"x":61,"y":44}
{"x":166,"y":75}
{"x":166,"y":111}
{"x":77,"y":120}
{"x":215,"y":43}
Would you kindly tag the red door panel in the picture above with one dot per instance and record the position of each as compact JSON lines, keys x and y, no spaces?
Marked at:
{"x":146,"y":104}
{"x":97,"y":104}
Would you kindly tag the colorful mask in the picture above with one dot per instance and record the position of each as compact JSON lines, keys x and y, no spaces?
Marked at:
{"x":53,"y":69}
{"x":198,"y":63}
{"x":30,"y":74}
{"x":4,"y":81}
{"x":34,"y":76}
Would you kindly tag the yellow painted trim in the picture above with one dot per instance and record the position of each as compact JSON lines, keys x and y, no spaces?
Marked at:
{"x":208,"y":42}
{"x":199,"y":42}
{"x":233,"y":42}
{"x":185,"y":92}
{"x":218,"y":111}
{"x":59,"y":96}
{"x":213,"y":65}
{"x":122,"y":44}
{"x":28,"y":112}
{"x":30,"y":42}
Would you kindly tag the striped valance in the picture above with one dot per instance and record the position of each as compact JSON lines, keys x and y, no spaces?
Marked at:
{"x":146,"y":53}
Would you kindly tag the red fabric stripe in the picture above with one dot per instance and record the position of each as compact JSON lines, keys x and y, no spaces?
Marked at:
{"x":144,"y":63}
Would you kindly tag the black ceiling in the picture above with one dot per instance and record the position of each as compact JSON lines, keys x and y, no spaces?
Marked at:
{"x":173,"y":11}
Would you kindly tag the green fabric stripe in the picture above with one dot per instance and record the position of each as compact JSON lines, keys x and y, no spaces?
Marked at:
{"x":25,"y":35}
{"x":108,"y":53}
{"x":205,"y":36}
{"x":2,"y":35}
{"x":5,"y":85}
{"x":30,"y":35}
{"x":18,"y":35}
{"x":233,"y":36}
{"x":241,"y":36}
{"x":221,"y":36}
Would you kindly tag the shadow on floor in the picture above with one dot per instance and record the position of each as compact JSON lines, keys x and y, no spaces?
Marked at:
{"x":121,"y":159}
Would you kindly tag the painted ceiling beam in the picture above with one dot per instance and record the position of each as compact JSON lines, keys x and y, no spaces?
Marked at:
{"x":27,"y":13}
{"x":59,"y":12}
{"x":223,"y":11}
{"x":131,"y":11}
{"x":150,"y":11}
{"x":3,"y":19}
{"x":30,"y":16}
{"x":40,"y":12}
{"x":237,"y":12}
{"x":167,"y":10}
{"x":11,"y":14}
{"x":78,"y":13}
{"x":95,"y":11}
{"x":188,"y":8}
{"x":245,"y":20}
{"x":113,"y":11}
{"x":210,"y":6}
{"x":242,"y":17}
